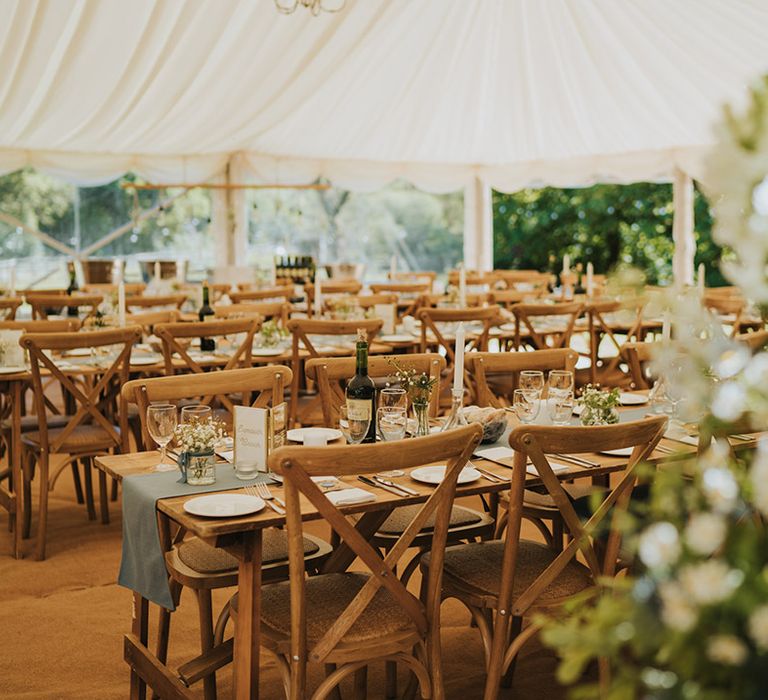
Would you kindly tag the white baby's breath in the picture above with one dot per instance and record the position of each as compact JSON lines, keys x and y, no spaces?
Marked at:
{"x":705,"y":532}
{"x":727,"y":649}
{"x":677,"y":611}
{"x":659,"y":545}
{"x":709,"y":582}
{"x":720,"y":488}
{"x":758,"y":627}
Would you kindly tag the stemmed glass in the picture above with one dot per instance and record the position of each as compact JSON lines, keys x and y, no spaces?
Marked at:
{"x":392,"y":397}
{"x":353,"y":427}
{"x":526,"y":408}
{"x":161,"y":424}
{"x":196,"y":413}
{"x":392,"y":422}
{"x":531,"y":383}
{"x":560,"y":381}
{"x":560,"y":407}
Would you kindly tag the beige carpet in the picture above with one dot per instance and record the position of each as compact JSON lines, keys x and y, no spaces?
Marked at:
{"x":62,"y":621}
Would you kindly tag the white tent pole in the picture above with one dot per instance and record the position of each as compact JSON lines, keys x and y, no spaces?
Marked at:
{"x":229,"y":218}
{"x":220,"y":223}
{"x":478,"y":226}
{"x":240,"y":212}
{"x":682,"y":229}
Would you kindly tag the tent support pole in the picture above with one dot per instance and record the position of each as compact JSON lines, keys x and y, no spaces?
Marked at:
{"x":230,"y":219}
{"x":478,"y":226}
{"x":682,"y":229}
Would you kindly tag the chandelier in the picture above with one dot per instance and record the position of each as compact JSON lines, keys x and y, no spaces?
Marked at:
{"x":288,"y":7}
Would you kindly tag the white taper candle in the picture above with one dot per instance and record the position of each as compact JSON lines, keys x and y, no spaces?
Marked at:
{"x":458,"y":367}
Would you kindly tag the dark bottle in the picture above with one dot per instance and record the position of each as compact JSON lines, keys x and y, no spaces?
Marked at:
{"x":71,"y":289}
{"x":361,"y":391}
{"x":206,"y":344}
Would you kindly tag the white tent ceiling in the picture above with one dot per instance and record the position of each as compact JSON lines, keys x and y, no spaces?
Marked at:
{"x":437,"y":91}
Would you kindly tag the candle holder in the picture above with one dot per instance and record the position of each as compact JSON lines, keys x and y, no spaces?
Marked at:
{"x":455,"y":417}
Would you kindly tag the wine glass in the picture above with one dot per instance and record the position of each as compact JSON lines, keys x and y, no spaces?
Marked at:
{"x":392,"y":397}
{"x":196,"y":413}
{"x":392,"y":422}
{"x":161,"y":424}
{"x":560,"y":407}
{"x":526,"y":407}
{"x":560,"y":381}
{"x":353,"y":426}
{"x":531,"y":383}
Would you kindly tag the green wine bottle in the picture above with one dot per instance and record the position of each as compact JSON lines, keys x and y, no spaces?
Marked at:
{"x":206,"y":344}
{"x":361,"y":391}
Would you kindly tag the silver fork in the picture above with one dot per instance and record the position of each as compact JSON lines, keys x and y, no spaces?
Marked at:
{"x":263,"y":491}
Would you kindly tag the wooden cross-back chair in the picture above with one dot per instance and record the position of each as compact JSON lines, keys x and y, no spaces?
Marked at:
{"x":507,"y":298}
{"x":414,"y":276}
{"x":333,"y":288}
{"x":755,"y":341}
{"x":131,"y":288}
{"x":9,"y":306}
{"x":474,"y":299}
{"x":190,"y":561}
{"x":347,"y":620}
{"x":474,"y":278}
{"x":268,"y":310}
{"x":172,"y":333}
{"x":42,"y":303}
{"x":638,"y":357}
{"x":503,"y":581}
{"x":408,"y":294}
{"x":302,"y":329}
{"x":528,"y":327}
{"x":90,"y":430}
{"x":267,"y":294}
{"x":537,"y":281}
{"x":149,"y":319}
{"x":496,"y":374}
{"x":726,"y":305}
{"x":154,"y":302}
{"x":600,"y":325}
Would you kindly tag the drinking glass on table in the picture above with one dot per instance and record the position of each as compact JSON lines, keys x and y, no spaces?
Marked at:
{"x":560,"y":381}
{"x":392,"y":422}
{"x":531,"y":383}
{"x":392,"y":397}
{"x":354,"y":426}
{"x":526,"y":407}
{"x":560,"y":407}
{"x":197,"y":413}
{"x":161,"y":424}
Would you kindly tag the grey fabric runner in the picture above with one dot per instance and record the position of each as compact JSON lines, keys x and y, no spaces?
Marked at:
{"x":142,"y":567}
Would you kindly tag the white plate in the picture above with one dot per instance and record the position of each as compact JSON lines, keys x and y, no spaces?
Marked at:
{"x":144,"y":360}
{"x":621,"y":452}
{"x":632,"y":399}
{"x":434,"y":475}
{"x":297,"y":434}
{"x":224,"y":505}
{"x":78,"y":352}
{"x":13,"y":369}
{"x":266,"y":352}
{"x":396,"y":338}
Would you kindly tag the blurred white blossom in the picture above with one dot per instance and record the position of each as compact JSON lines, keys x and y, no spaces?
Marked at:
{"x":659,"y":545}
{"x":727,"y":649}
{"x":720,"y":488}
{"x":705,"y":532}
{"x":709,"y":581}
{"x":677,"y":611}
{"x":758,"y":627}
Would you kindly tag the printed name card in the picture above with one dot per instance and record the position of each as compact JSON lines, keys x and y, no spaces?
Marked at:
{"x":11,"y":353}
{"x":388,"y":314}
{"x":251,"y":428}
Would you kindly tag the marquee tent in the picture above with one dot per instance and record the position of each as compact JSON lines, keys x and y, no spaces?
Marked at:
{"x":448,"y":94}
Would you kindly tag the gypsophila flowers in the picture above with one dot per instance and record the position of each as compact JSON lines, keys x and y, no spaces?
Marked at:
{"x":710,"y":581}
{"x":705,"y":532}
{"x":727,"y":649}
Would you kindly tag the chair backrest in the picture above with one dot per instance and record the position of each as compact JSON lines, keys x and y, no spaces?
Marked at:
{"x":602,"y":317}
{"x":266,"y":310}
{"x":727,"y":305}
{"x":131,"y":288}
{"x":258,"y":386}
{"x":332,"y":373}
{"x":474,"y":278}
{"x":411,"y":288}
{"x":533,"y":443}
{"x":496,"y":374}
{"x":172,"y":333}
{"x":149,"y":319}
{"x":299,"y":464}
{"x":283,"y":292}
{"x":55,"y":325}
{"x":151,"y":302}
{"x":435,"y":300}
{"x":432,"y":318}
{"x":755,"y":341}
{"x":528,"y":323}
{"x":40,"y":303}
{"x":507,"y":297}
{"x":303,"y":328}
{"x":331,"y":287}
{"x":94,"y":401}
{"x":414,"y":276}
{"x":638,"y":356}
{"x":9,"y":306}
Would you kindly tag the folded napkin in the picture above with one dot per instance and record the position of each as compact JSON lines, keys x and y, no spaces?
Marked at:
{"x":679,"y":434}
{"x":496,"y":453}
{"x":348,"y":497}
{"x":556,"y":467}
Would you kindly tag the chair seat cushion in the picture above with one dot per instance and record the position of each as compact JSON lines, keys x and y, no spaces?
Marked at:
{"x":401,"y":517}
{"x":478,"y":564}
{"x":83,"y":438}
{"x":30,"y":423}
{"x":202,"y":557}
{"x":535,"y":499}
{"x":327,"y":596}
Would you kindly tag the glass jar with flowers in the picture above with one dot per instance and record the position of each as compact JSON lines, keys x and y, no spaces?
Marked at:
{"x":418,"y":386}
{"x":599,"y":407}
{"x":271,"y":334}
{"x":196,"y":441}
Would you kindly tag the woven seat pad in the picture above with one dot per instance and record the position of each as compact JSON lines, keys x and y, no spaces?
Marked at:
{"x":401,"y":518}
{"x":83,"y":437}
{"x":544,"y":500}
{"x":29,"y":423}
{"x":327,"y":597}
{"x":479,"y":565}
{"x":206,"y":559}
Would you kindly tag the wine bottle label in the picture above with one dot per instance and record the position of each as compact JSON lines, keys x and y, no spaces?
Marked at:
{"x":359,"y":409}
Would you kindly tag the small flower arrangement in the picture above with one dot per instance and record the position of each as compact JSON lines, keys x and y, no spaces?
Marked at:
{"x":100,"y":320}
{"x":418,"y":386}
{"x":272,"y":334}
{"x":199,"y":436}
{"x":599,"y":406}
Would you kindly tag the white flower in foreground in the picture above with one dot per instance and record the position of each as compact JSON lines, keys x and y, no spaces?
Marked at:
{"x":709,"y":581}
{"x":676,"y":609}
{"x":705,"y":532}
{"x":729,"y":401}
{"x":727,"y":649}
{"x":758,"y":627}
{"x":659,"y":545}
{"x":758,"y":475}
{"x":720,"y":489}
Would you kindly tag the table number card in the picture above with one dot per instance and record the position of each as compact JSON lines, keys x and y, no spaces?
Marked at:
{"x":11,"y":353}
{"x":251,"y":436}
{"x":278,"y":425}
{"x":388,"y":314}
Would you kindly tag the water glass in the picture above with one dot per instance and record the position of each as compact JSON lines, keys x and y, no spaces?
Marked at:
{"x":560,"y":407}
{"x":393,"y":398}
{"x":161,"y":424}
{"x":561,"y":381}
{"x":531,"y":383}
{"x":392,"y":422}
{"x":354,"y":428}
{"x":196,"y":413}
{"x":526,"y":407}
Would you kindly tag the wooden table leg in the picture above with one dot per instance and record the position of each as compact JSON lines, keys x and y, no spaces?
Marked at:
{"x":248,"y":627}
{"x":367,"y":526}
{"x":15,"y":456}
{"x":140,"y":628}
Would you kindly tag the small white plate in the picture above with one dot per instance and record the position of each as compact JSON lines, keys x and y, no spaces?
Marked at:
{"x":266,"y":352}
{"x":396,"y":338}
{"x":632,"y":399}
{"x":297,"y":434}
{"x":621,"y":452}
{"x":224,"y":505}
{"x":13,"y":369}
{"x":144,"y":361}
{"x":434,"y":475}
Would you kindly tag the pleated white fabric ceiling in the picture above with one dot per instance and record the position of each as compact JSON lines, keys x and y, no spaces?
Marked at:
{"x":518,"y":92}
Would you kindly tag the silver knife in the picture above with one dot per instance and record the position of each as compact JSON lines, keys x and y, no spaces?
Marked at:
{"x":392,"y":484}
{"x":371,"y":482}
